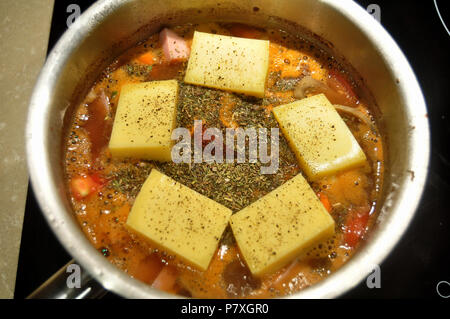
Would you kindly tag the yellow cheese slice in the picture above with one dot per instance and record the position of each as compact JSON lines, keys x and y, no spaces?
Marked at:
{"x":322,"y":142}
{"x":229,"y":63}
{"x":281,"y":226}
{"x":145,"y":118}
{"x":178,"y":219}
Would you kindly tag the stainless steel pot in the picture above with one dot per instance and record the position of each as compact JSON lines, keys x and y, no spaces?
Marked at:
{"x":111,"y":26}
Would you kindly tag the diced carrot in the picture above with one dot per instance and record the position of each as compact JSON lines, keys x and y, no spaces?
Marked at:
{"x":192,"y":128}
{"x":175,"y":48}
{"x":83,"y":186}
{"x":166,"y":279}
{"x":285,"y":60}
{"x":347,"y":188}
{"x":226,"y":112}
{"x":146,"y":58}
{"x":325,"y":201}
{"x":245,"y":31}
{"x":355,"y":226}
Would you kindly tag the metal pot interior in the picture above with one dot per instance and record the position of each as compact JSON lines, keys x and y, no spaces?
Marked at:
{"x":110,"y":27}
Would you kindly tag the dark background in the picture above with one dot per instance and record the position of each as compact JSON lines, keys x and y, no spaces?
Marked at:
{"x":421,"y":259}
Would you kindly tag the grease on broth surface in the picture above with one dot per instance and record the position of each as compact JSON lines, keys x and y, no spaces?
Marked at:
{"x":350,"y":196}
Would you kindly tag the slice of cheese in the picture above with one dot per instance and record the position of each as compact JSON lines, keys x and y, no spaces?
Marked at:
{"x":178,"y":219}
{"x":319,"y":137}
{"x":228,"y":63}
{"x":145,"y":118}
{"x":281,"y":226}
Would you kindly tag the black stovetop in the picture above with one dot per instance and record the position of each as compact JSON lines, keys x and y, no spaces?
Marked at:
{"x":421,"y":259}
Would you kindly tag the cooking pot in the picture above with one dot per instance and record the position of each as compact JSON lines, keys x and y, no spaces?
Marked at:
{"x":109,"y":27}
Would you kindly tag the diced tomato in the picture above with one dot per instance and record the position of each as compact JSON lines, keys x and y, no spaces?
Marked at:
{"x":340,"y":85}
{"x":355,"y":226}
{"x":83,"y":186}
{"x":244,"y":31}
{"x":206,"y":140}
{"x":174,"y":47}
{"x":99,"y":123}
{"x":98,"y":179}
{"x":166,"y":279}
{"x":346,"y":87}
{"x":325,"y":201}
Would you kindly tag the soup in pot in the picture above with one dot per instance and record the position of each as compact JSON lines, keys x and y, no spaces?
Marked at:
{"x":235,"y":223}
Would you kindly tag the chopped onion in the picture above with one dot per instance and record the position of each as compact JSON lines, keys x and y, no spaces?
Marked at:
{"x":281,"y":277}
{"x":91,"y":96}
{"x":309,"y":85}
{"x":355,"y":112}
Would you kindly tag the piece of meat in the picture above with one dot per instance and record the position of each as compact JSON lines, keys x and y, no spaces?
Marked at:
{"x":98,"y":124}
{"x":174,"y":47}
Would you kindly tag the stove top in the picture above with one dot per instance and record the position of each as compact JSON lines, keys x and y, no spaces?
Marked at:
{"x":421,"y":259}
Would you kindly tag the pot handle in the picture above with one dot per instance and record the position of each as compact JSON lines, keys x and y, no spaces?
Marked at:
{"x":70,"y":282}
